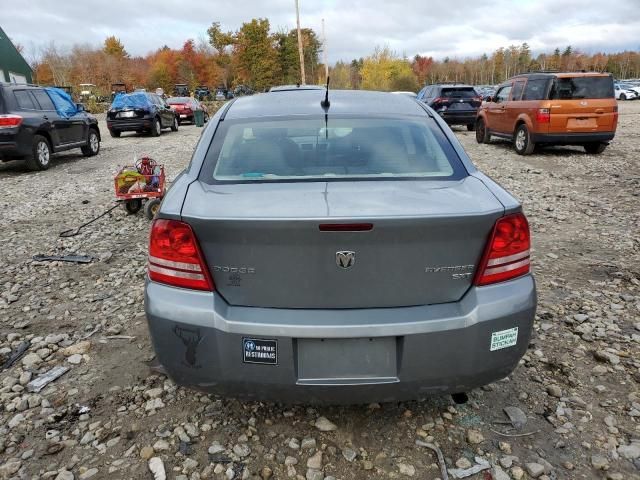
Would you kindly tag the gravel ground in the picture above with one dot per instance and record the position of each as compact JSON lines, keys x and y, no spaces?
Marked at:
{"x":575,"y":396}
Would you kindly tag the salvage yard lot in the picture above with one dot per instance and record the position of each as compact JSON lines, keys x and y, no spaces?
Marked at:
{"x":578,"y":384}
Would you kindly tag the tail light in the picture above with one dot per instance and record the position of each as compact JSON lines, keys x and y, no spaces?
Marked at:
{"x":10,"y":121}
{"x":543,"y":115}
{"x":615,"y":115}
{"x":477,"y":99}
{"x":439,"y":100}
{"x":175,"y":258}
{"x":507,"y":252}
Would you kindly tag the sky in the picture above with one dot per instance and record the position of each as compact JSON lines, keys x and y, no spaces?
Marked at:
{"x":438,"y":28}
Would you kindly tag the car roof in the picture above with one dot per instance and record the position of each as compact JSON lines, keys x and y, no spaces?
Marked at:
{"x":288,"y":88}
{"x":307,"y":102}
{"x":448,"y":85}
{"x":534,"y":75}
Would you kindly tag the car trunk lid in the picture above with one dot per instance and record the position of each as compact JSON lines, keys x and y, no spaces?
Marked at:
{"x":265,"y":246}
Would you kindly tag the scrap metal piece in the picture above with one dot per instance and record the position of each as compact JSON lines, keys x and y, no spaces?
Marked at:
{"x":438,"y":452}
{"x":64,"y":258}
{"x":15,"y":356}
{"x":45,"y":379}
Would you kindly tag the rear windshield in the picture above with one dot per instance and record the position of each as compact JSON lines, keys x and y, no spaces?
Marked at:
{"x":177,"y":100}
{"x":466,"y":92}
{"x":131,"y":100}
{"x":305,"y":149}
{"x":570,"y":88}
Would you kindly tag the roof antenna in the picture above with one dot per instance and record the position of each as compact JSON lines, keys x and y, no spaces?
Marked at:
{"x":325,"y":103}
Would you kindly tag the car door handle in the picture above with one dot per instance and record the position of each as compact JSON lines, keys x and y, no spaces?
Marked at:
{"x":599,"y":110}
{"x":45,"y":117}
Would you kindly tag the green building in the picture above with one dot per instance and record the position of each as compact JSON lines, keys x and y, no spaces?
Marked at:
{"x":13,"y":67}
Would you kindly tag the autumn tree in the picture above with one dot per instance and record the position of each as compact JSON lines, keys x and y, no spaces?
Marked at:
{"x":255,"y":57}
{"x":385,"y":71}
{"x":421,"y":67}
{"x":222,"y":42}
{"x":289,"y":59}
{"x":115,"y":48}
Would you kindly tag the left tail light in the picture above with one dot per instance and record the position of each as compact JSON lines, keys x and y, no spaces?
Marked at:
{"x":507,"y":252}
{"x":175,"y":257}
{"x":10,"y":121}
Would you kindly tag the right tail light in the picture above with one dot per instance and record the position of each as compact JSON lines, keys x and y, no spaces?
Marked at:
{"x":507,"y":253}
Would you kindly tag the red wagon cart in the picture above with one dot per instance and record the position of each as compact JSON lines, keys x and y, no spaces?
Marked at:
{"x":141,"y":183}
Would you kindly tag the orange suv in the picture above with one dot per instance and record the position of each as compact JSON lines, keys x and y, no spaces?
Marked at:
{"x":551,"y":109}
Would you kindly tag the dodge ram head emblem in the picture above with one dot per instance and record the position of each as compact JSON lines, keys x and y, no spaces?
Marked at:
{"x":345,"y":259}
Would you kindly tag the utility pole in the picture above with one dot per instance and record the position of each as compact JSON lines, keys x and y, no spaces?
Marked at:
{"x":302,"y":76}
{"x":324,"y":52}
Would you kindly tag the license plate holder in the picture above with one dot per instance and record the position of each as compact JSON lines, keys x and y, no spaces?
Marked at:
{"x":339,"y":360}
{"x":126,"y":114}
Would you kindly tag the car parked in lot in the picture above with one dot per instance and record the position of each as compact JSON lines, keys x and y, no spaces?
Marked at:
{"x":626,"y":92}
{"x":339,"y":253}
{"x":140,"y":112}
{"x":185,"y":108}
{"x":551,"y":109}
{"x":457,"y":104}
{"x":36,"y":122}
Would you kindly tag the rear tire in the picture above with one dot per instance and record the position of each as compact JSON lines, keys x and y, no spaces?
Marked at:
{"x":522,"y":142}
{"x":151,"y":208}
{"x":470,"y":127}
{"x":156,"y":128}
{"x":595,"y":148}
{"x":93,"y":144}
{"x":174,"y":126}
{"x":623,"y":96}
{"x":40,"y":157}
{"x":133,"y":206}
{"x":482,"y":134}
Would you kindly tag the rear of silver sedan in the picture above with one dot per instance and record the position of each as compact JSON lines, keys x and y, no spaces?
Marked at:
{"x":342,"y":260}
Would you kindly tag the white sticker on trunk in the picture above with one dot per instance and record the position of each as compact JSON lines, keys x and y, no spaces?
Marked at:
{"x":504,"y":339}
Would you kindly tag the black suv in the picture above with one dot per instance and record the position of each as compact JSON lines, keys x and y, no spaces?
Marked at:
{"x":457,"y":104}
{"x":32,"y":128}
{"x":140,"y":112}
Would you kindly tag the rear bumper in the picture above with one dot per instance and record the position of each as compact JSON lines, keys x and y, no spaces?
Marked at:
{"x":439,"y":349}
{"x":572,"y":138}
{"x":128,"y":125}
{"x":15,"y":145}
{"x":459,"y":118}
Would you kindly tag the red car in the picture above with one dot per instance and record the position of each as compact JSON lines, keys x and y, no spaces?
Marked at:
{"x":184,"y":108}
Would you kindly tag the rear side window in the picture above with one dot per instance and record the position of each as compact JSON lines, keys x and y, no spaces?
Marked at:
{"x":24,"y":100}
{"x":571,"y":88}
{"x":308,"y":149}
{"x":516,"y":91}
{"x":536,"y":89}
{"x":467,"y":92}
{"x":43,"y":100}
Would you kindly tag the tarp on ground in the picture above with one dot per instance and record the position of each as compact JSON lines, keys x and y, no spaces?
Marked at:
{"x":131,"y":100}
{"x":62,"y":101}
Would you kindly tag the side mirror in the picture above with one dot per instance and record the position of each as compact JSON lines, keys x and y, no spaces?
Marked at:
{"x":80,"y":107}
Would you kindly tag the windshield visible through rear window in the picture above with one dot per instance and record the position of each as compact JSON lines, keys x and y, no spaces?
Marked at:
{"x":305,"y":149}
{"x":570,"y":88}
{"x":458,"y":92}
